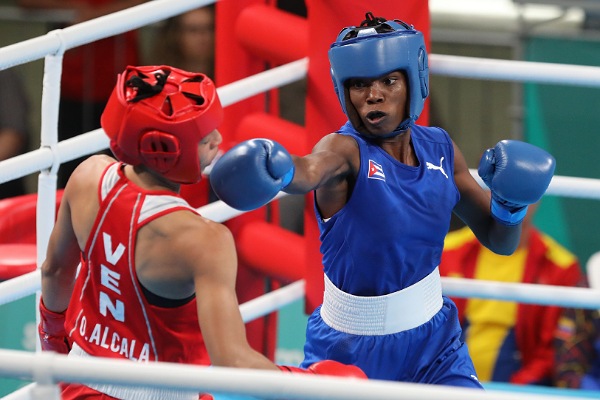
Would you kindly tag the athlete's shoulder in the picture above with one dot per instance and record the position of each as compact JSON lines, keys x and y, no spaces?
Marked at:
{"x":191,"y":228}
{"x":430,"y":133}
{"x":85,"y":178}
{"x":202,"y":244}
{"x":188,"y":234}
{"x":91,"y":166}
{"x":336,"y":142}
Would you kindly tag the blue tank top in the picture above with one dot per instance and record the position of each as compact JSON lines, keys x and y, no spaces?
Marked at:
{"x":390,"y":233}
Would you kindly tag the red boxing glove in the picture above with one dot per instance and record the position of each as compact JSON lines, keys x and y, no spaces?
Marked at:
{"x":328,"y":367}
{"x":51,"y":329}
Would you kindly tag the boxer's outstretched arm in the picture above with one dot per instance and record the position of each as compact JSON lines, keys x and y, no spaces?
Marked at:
{"x":252,"y":173}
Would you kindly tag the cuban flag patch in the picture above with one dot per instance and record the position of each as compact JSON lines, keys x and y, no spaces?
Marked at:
{"x":376,"y":171}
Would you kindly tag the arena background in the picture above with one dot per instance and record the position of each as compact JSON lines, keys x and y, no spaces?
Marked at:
{"x":562,"y":119}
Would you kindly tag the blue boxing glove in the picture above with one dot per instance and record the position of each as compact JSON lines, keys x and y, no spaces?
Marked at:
{"x":517,"y":174}
{"x":252,"y":173}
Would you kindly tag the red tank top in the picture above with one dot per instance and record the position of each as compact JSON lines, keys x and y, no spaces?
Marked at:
{"x":108,"y":315}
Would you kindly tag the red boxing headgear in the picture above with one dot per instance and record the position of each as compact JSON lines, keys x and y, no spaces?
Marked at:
{"x":157,"y":115}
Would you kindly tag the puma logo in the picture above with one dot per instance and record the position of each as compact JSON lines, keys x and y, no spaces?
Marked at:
{"x":439,"y":168}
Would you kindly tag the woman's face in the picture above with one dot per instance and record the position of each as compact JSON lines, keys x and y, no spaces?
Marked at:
{"x":197,"y":34}
{"x":208,"y":148}
{"x":379,"y":102}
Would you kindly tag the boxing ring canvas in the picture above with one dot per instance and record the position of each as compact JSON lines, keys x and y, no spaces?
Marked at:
{"x":45,"y":369}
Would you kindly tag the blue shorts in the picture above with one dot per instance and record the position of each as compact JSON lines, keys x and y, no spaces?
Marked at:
{"x":430,"y":353}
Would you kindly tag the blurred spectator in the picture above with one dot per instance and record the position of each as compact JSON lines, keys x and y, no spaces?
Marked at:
{"x":187,"y":41}
{"x":577,"y":341}
{"x":508,"y":341}
{"x":89,"y":71}
{"x":14,"y":136}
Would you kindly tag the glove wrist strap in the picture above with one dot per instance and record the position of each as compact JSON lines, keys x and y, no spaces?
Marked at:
{"x":508,"y":216}
{"x":288,"y":177}
{"x":51,"y":320}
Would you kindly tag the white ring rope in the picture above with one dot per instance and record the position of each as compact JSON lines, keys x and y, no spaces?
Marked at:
{"x":565,"y":186}
{"x":529,"y":293}
{"x":19,"y":287}
{"x":95,"y":29}
{"x":514,"y":71}
{"x":27,"y":284}
{"x":272,"y":301}
{"x":259,"y":383}
{"x":96,"y":140}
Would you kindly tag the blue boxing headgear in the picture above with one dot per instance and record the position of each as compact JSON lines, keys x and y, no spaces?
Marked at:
{"x":378,"y":47}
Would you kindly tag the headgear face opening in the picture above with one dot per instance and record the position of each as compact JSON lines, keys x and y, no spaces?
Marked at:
{"x":378,"y":47}
{"x":157,"y":115}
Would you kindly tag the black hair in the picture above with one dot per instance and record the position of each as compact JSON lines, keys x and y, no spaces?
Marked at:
{"x":379,"y":23}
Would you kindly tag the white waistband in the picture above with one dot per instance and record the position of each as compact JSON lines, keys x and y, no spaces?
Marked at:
{"x":133,"y":392}
{"x":382,"y":315}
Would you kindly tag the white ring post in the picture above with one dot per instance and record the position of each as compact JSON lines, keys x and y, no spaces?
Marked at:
{"x":42,"y":374}
{"x":45,"y":207}
{"x":45,"y":212}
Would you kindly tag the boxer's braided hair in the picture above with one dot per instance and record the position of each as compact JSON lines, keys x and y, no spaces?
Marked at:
{"x":144,"y":89}
{"x":379,"y":23}
{"x":371,"y":20}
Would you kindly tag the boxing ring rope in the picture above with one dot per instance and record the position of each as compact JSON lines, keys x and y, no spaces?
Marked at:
{"x":513,"y":70}
{"x":527,"y":293}
{"x":46,"y":368}
{"x":60,"y":40}
{"x":93,"y":141}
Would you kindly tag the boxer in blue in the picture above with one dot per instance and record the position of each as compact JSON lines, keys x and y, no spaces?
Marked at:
{"x":385,"y":189}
